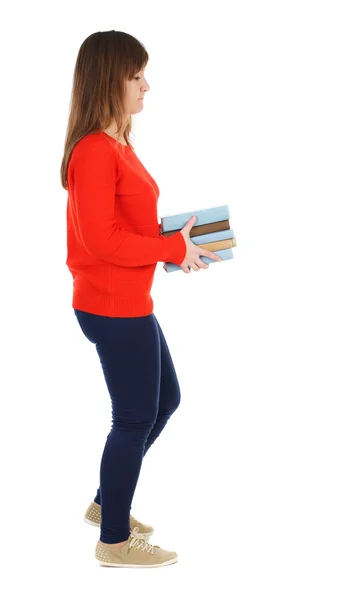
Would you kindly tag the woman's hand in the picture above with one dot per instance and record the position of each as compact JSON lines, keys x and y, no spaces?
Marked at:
{"x":193,"y":252}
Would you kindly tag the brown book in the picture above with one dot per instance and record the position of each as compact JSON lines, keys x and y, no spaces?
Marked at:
{"x":201,"y":229}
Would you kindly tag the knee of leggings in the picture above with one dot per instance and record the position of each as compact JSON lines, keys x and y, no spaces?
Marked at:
{"x":132,"y":426}
{"x":130,"y":433}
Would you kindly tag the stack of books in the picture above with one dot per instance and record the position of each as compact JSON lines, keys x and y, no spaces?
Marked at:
{"x":211,"y":231}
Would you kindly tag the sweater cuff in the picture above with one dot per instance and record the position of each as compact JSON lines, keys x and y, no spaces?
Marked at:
{"x":177,"y":248}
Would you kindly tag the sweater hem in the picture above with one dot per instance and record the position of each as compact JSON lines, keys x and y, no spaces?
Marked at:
{"x":113,"y":305}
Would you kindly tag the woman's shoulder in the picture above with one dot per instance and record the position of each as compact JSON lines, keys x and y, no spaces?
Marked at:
{"x":94,"y":144}
{"x":94,"y":148}
{"x":96,"y":140}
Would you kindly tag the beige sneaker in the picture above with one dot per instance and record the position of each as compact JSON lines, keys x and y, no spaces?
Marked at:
{"x":137,"y":552}
{"x":93,"y":514}
{"x":93,"y":517}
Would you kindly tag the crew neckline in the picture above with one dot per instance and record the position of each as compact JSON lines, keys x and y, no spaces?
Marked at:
{"x":112,"y":138}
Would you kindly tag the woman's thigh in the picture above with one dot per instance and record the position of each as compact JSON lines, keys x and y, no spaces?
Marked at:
{"x":130,"y":356}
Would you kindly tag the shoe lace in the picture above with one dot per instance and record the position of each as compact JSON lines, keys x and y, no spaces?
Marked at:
{"x":138,"y":541}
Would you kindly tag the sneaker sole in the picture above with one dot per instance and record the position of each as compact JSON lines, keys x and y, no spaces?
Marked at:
{"x":91,"y":522}
{"x":163,"y":564}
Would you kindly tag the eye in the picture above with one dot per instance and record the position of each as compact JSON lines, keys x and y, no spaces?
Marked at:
{"x":137,"y":77}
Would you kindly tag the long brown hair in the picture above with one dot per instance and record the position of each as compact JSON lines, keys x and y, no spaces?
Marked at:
{"x":105,"y":60}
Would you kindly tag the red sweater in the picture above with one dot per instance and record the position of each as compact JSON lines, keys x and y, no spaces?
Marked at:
{"x":113,"y":238}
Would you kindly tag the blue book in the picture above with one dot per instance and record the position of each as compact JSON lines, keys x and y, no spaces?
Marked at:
{"x":225,"y":254}
{"x":204,"y":216}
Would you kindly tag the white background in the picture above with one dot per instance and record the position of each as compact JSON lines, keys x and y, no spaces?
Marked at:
{"x":242,"y":481}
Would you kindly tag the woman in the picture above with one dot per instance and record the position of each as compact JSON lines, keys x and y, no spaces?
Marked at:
{"x":114,"y":244}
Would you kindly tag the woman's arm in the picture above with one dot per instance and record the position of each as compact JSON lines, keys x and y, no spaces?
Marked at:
{"x":94,"y":167}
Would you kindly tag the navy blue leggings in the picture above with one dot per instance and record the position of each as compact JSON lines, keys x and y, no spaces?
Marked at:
{"x":144,"y":391}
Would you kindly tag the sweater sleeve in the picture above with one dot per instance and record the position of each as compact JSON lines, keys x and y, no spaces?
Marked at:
{"x":94,"y":168}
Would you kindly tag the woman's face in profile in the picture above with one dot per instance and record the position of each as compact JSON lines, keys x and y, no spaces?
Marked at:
{"x":135,"y":92}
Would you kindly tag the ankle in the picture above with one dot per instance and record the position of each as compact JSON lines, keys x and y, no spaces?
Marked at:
{"x":116,"y":544}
